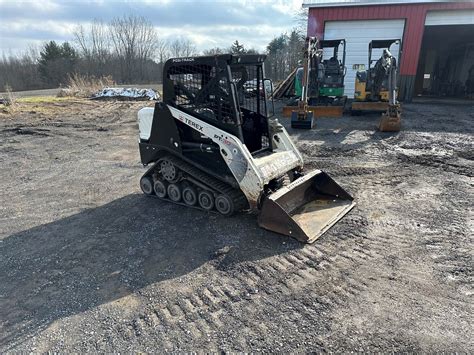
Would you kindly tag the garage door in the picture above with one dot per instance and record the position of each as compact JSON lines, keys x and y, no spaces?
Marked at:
{"x":458,"y":17}
{"x":358,"y":34}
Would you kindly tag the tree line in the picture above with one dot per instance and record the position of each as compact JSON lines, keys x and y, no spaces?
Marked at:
{"x":129,"y":50}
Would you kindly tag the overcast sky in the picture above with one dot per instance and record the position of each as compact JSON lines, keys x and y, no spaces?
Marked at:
{"x":207,"y":23}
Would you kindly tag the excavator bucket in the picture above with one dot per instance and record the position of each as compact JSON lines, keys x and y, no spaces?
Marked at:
{"x":306,"y":208}
{"x":390,"y":123}
{"x":303,"y":120}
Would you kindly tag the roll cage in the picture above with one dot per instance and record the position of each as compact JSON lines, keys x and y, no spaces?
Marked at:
{"x":227,"y":91}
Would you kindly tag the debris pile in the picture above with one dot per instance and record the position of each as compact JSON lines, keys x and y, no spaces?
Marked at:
{"x":127,"y":94}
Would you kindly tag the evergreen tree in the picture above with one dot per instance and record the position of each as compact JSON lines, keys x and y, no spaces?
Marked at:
{"x":237,"y":48}
{"x":277,"y":51}
{"x":295,"y":48}
{"x":56,"y":62}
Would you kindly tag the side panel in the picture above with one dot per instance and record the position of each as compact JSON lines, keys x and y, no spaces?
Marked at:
{"x":251,"y":173}
{"x":164,"y":133}
{"x":234,"y":153}
{"x":145,"y":121}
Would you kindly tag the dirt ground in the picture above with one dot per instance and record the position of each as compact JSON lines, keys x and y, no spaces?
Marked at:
{"x":88,"y":263}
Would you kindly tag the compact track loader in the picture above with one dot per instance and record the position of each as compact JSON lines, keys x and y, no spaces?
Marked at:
{"x":213,"y":144}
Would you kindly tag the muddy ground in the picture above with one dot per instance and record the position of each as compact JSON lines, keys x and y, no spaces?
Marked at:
{"x":87,"y":263}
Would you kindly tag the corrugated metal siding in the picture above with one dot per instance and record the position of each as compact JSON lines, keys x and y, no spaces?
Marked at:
{"x":414,"y":26}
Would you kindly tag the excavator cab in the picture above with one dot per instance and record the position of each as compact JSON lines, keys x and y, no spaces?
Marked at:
{"x":214,"y":144}
{"x":318,"y":83}
{"x":372,"y":84}
{"x":333,"y":68}
{"x":376,"y":88}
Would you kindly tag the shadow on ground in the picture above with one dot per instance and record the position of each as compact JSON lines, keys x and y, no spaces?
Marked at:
{"x":105,"y":253}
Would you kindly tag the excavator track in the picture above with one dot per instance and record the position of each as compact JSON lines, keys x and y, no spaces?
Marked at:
{"x":191,"y":187}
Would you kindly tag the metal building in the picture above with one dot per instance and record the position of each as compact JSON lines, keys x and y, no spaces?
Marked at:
{"x":437,"y":39}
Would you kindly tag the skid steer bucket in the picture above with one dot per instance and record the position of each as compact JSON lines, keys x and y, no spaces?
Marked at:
{"x":306,"y":208}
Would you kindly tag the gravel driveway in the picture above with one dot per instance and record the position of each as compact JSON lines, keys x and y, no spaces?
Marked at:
{"x":88,"y":263}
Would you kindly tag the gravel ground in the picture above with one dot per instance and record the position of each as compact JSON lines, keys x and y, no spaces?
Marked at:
{"x":87,"y":263}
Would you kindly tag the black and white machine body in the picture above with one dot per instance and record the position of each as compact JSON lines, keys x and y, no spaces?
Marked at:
{"x":214,"y":144}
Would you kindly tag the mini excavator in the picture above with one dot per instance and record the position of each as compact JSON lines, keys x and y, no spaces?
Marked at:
{"x":303,"y":117}
{"x":213,"y":144}
{"x":319,"y":83}
{"x":376,"y":88}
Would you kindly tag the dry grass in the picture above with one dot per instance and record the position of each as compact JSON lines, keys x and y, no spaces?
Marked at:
{"x":41,"y":99}
{"x":44,"y":105}
{"x":9,"y":102}
{"x":84,"y":86}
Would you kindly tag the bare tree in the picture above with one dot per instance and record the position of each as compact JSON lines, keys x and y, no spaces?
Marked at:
{"x":301,"y":21}
{"x":163,"y":50}
{"x":214,"y":51}
{"x":94,"y":46}
{"x":20,"y":72}
{"x":129,"y":50}
{"x":277,"y":51}
{"x":134,"y":39}
{"x":182,"y":47}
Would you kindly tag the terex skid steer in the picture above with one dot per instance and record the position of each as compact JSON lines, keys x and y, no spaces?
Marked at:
{"x":212,"y":144}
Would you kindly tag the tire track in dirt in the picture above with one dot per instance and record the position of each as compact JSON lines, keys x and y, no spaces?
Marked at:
{"x":438,"y":163}
{"x":293,"y":272}
{"x":248,"y":286}
{"x":416,"y":228}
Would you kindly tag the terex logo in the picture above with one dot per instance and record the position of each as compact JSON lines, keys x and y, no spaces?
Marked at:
{"x":190,"y":123}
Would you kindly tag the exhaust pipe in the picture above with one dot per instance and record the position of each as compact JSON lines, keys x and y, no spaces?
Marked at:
{"x":306,"y":208}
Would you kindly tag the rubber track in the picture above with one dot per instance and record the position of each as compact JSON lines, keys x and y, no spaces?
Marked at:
{"x":239,"y":199}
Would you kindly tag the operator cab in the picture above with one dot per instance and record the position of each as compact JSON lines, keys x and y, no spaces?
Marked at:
{"x":227,"y":91}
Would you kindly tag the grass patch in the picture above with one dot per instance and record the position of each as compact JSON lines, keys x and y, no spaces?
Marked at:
{"x":37,"y":104}
{"x":9,"y":102}
{"x":41,"y":99}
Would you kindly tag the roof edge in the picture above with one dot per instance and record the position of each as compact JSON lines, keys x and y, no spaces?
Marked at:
{"x":366,"y":3}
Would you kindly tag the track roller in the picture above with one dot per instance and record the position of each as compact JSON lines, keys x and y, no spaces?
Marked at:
{"x":206,"y":200}
{"x":224,"y":205}
{"x":190,"y":196}
{"x":174,"y":192}
{"x":160,"y":188}
{"x":176,"y":181}
{"x":146,"y":184}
